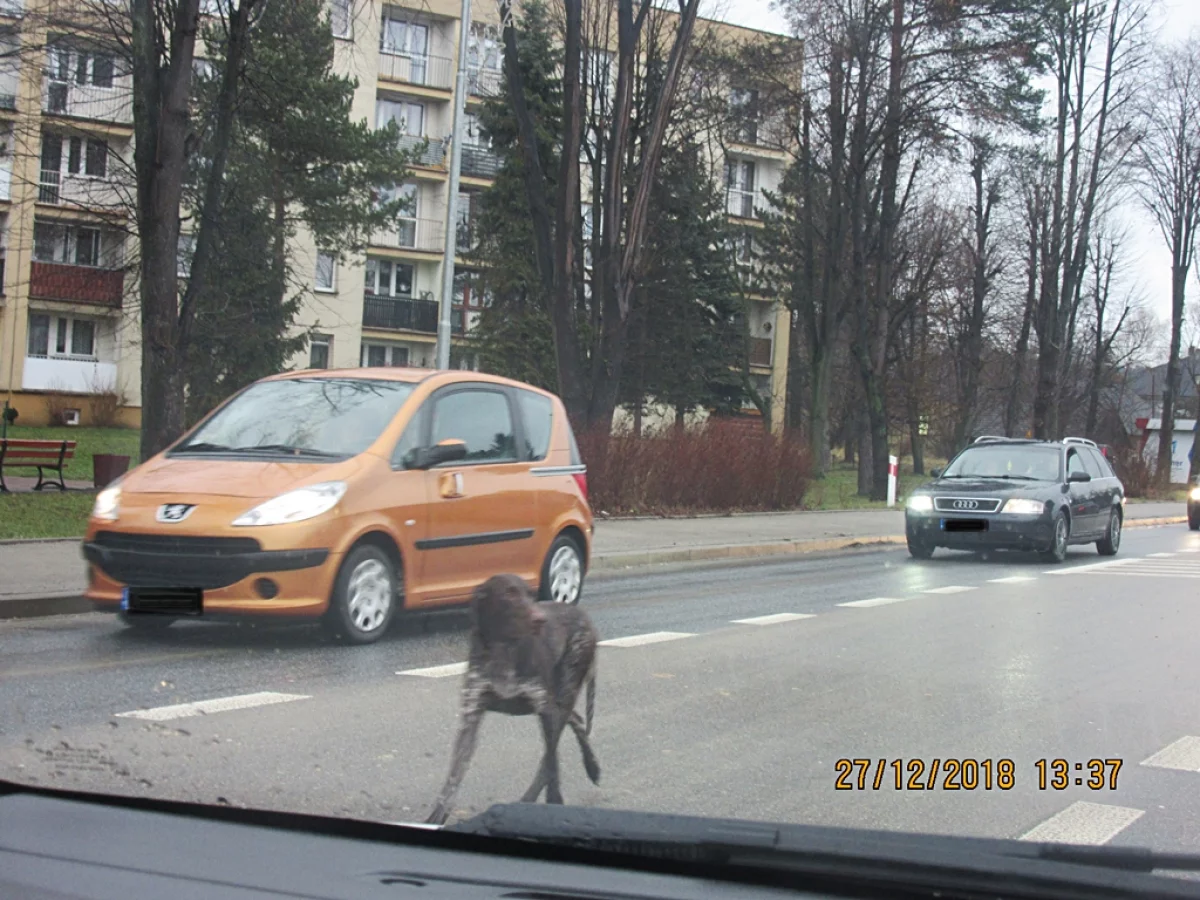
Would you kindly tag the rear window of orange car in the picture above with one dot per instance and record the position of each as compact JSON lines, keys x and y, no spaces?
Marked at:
{"x":537,"y":414}
{"x":334,"y":417}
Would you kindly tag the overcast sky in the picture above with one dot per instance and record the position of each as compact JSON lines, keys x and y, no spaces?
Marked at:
{"x":1148,"y":260}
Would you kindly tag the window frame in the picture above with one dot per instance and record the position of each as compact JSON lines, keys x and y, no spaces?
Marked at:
{"x":320,"y":340}
{"x":54,"y":324}
{"x":514,"y":413}
{"x":331,"y":288}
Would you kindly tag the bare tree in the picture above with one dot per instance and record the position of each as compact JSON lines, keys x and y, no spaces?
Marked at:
{"x":1168,"y":162}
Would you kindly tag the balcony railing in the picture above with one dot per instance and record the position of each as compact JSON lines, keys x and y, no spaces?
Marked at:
{"x":78,"y":284}
{"x":413,"y":234}
{"x":760,"y":351}
{"x":6,"y":180}
{"x":85,"y":101}
{"x":430,"y":152}
{"x":758,"y":131}
{"x":485,"y":82}
{"x":66,"y":189}
{"x":740,"y":202}
{"x":78,"y":375}
{"x":401,"y":313}
{"x":479,"y":162}
{"x":466,"y":238}
{"x":428,"y":71}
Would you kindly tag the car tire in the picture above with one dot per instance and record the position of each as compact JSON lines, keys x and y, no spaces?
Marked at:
{"x":1111,"y":542}
{"x":918,"y":549}
{"x":1194,"y":520}
{"x":562,"y":572}
{"x":145,"y":623}
{"x":1060,"y":539}
{"x":364,"y":596}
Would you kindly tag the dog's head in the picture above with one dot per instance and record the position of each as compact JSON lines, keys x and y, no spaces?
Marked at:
{"x":504,"y":609}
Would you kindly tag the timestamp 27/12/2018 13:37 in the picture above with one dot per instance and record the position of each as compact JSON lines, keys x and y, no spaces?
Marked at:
{"x":968,"y":774}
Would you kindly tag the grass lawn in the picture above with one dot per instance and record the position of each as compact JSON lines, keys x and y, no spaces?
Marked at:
{"x":50,"y":513}
{"x":839,"y":488}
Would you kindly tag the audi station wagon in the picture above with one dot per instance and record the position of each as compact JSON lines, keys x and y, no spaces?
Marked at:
{"x":1012,"y":494}
{"x":347,"y":496}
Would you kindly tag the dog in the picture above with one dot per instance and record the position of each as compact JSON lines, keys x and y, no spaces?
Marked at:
{"x":525,"y":658}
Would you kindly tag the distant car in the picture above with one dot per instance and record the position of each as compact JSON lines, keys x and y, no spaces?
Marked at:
{"x":1015,"y":494}
{"x":1193,"y":504}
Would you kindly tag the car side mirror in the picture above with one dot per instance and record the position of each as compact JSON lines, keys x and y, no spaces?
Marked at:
{"x":448,"y":450}
{"x":1078,"y":477}
{"x":935,"y":473}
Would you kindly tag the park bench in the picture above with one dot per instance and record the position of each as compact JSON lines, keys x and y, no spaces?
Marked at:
{"x":44,"y":456}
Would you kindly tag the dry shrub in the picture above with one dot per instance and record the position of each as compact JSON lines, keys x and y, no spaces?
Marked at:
{"x":718,"y":467}
{"x":57,"y":406}
{"x":1135,"y":472}
{"x":106,"y":409}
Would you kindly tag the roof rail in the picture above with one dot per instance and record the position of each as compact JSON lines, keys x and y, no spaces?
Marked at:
{"x":989,"y":437}
{"x":1079,"y":440}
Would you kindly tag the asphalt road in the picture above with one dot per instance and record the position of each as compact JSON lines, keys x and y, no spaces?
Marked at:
{"x":1007,"y":659}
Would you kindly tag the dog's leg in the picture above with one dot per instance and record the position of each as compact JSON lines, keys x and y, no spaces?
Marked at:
{"x":589,"y":761}
{"x":460,"y":758}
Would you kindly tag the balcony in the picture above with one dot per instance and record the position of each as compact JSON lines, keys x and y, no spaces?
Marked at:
{"x":426,"y":235}
{"x":760,"y":352}
{"x":427,"y":71}
{"x":65,"y":189}
{"x":766,"y":131}
{"x":401,"y":313}
{"x":485,"y":83}
{"x":6,"y":179}
{"x":76,"y":284}
{"x":431,"y":153}
{"x":86,"y":101}
{"x":8,"y":85}
{"x":740,"y":202}
{"x":76,"y":375}
{"x":479,"y":162}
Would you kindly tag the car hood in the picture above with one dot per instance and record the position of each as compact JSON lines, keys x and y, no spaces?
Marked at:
{"x":969,"y":486}
{"x":248,"y":479}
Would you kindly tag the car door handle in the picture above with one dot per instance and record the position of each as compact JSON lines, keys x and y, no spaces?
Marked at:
{"x":450,"y":485}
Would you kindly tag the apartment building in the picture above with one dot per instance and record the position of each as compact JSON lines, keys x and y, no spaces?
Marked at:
{"x":68,"y":320}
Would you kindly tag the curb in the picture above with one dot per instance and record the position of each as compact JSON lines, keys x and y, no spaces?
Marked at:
{"x":68,"y":603}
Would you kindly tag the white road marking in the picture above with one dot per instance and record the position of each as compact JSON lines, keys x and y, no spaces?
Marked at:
{"x":1012,"y":579}
{"x":1071,"y":570}
{"x":1161,"y":555}
{"x":949,"y":589}
{"x":638,"y":640}
{"x":207,"y":707}
{"x":458,"y":668}
{"x":1085,"y":823}
{"x":874,"y":601}
{"x":1183,"y":754}
{"x":1159,"y":567}
{"x":775,"y":619}
{"x":1190,"y":550}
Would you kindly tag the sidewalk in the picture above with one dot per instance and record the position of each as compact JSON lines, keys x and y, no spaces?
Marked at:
{"x":50,"y":573}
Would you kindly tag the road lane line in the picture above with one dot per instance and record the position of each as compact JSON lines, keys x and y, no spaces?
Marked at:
{"x":1183,"y":754}
{"x":1012,"y":579}
{"x":873,"y":601}
{"x":638,"y":640}
{"x":1160,"y":555}
{"x":949,"y":589}
{"x":1071,"y":570}
{"x":207,"y":707}
{"x":1084,"y":823}
{"x":776,"y":619}
{"x":458,"y":668}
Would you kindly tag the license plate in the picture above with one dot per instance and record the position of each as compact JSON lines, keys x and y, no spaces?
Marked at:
{"x":964,"y":525}
{"x":163,"y":601}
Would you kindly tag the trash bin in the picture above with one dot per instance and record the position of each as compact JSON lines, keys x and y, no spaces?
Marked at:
{"x":107,"y":468}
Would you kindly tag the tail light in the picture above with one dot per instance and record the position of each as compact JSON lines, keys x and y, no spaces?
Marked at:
{"x":581,"y":480}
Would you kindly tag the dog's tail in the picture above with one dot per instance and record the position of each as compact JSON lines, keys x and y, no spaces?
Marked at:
{"x":591,"y":697}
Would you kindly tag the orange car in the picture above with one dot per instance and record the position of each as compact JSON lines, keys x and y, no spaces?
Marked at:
{"x":347,"y":495}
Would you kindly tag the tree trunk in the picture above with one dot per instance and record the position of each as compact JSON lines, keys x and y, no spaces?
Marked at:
{"x":1162,"y":471}
{"x":822,"y":383}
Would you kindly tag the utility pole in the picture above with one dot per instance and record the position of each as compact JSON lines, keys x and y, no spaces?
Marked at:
{"x":456,"y":141}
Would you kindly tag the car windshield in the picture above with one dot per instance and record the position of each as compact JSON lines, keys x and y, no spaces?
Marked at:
{"x":336,"y":417}
{"x":1016,"y":461}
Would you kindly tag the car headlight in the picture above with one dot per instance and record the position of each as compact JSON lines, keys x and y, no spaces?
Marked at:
{"x":920,"y":503}
{"x":1195,"y":494}
{"x":1024,"y":507}
{"x":107,"y":507}
{"x":295,"y":506}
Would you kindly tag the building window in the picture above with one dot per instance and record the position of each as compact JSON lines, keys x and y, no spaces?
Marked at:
{"x":61,"y":336}
{"x":96,"y":164}
{"x":409,"y":116}
{"x":326,"y":269}
{"x":84,"y":67}
{"x":340,"y":17}
{"x":743,"y":108}
{"x":739,"y":183}
{"x":384,"y":355}
{"x":73,"y":245}
{"x":318,"y":351}
{"x":385,"y":278}
{"x":183,"y":256}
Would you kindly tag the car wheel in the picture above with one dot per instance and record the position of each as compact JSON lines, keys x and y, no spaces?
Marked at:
{"x":1057,"y":551}
{"x":1194,"y":520}
{"x":1111,"y":542}
{"x":919,"y":549}
{"x":364,"y":595}
{"x":145,"y":622}
{"x":562,"y":572}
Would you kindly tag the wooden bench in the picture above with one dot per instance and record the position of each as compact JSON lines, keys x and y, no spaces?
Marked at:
{"x":28,"y":453}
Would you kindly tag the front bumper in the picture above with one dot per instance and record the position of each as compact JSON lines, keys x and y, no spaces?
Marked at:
{"x":1001,"y":531}
{"x":230,"y":571}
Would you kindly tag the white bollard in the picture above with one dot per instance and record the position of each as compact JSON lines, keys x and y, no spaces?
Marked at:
{"x":893,"y":473}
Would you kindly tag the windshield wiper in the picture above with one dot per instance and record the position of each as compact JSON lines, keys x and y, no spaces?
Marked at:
{"x":203,"y":447}
{"x":288,"y":448}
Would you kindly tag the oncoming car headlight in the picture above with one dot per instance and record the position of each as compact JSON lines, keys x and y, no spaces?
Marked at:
{"x":920,"y":503}
{"x":1195,"y":493}
{"x":1024,"y":507}
{"x":107,"y":507}
{"x":295,"y":506}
